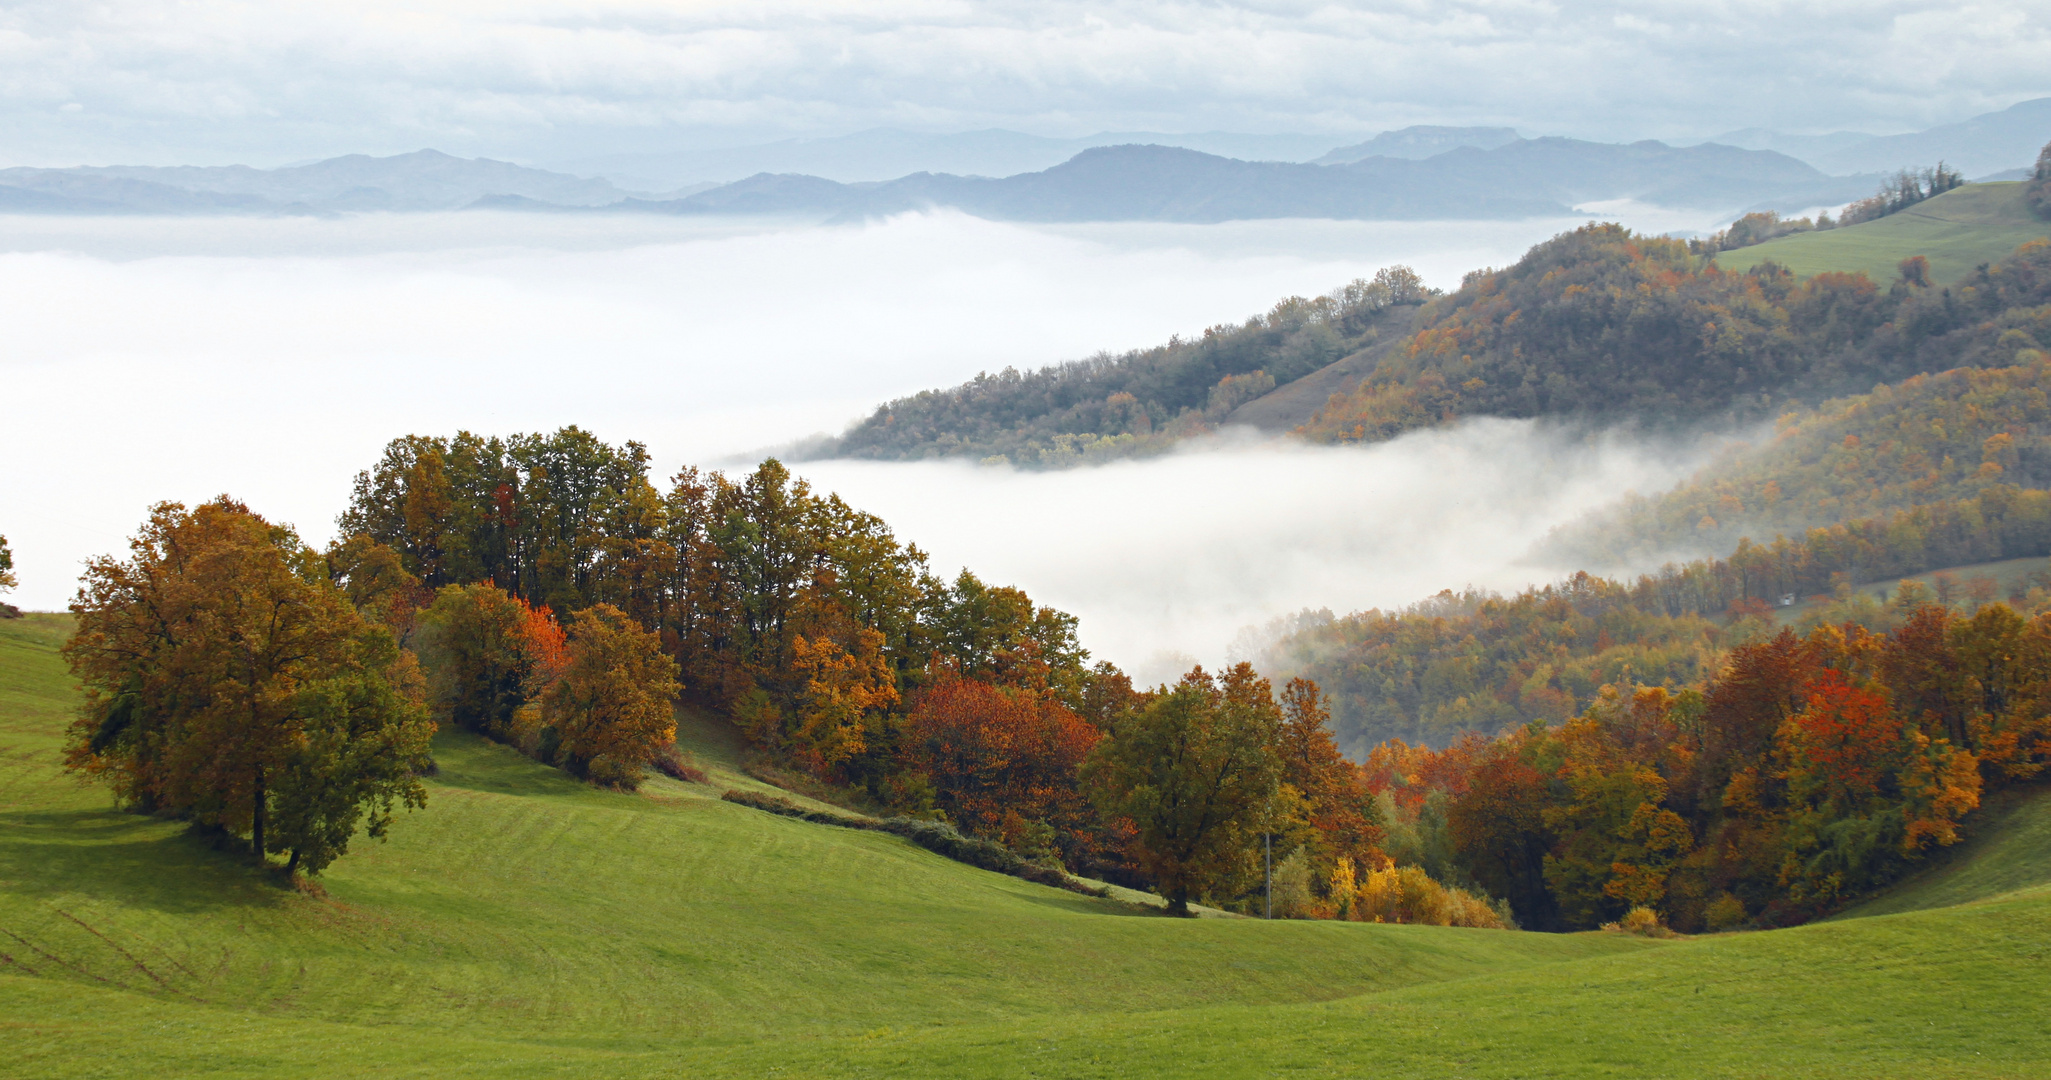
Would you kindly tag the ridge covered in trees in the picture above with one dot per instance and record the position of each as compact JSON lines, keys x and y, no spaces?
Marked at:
{"x":1600,"y":323}
{"x":1147,"y":399}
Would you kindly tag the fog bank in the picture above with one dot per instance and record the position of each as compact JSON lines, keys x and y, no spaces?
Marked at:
{"x":272,"y":359}
{"x":1166,"y":560}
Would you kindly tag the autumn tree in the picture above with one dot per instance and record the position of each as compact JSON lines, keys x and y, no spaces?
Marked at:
{"x":613,"y":706}
{"x":1342,"y":811}
{"x":481,"y":648}
{"x":1194,"y":770}
{"x":229,"y":682}
{"x":1499,"y":833}
{"x":1000,"y":759}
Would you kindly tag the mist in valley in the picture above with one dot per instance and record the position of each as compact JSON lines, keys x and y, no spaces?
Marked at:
{"x":272,"y":359}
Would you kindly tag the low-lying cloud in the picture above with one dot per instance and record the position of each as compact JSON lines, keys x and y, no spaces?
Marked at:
{"x":1167,"y":560}
{"x":179,"y":359}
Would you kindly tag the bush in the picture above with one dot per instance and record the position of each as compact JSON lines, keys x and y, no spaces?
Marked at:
{"x":1642,"y":921}
{"x":1406,"y":894}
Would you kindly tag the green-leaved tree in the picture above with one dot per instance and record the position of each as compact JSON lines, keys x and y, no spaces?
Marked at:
{"x":229,"y":682}
{"x":1195,"y":771}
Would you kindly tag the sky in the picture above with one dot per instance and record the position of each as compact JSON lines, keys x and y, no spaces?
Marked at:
{"x":267,"y":82}
{"x":271,"y":359}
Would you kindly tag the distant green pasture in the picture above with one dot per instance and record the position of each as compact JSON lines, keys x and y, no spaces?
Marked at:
{"x":1956,"y":231}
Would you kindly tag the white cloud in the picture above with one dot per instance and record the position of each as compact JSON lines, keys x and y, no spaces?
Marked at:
{"x":221,"y":79}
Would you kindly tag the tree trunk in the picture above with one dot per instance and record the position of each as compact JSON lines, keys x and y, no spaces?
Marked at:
{"x":256,"y":814}
{"x":1178,"y":905}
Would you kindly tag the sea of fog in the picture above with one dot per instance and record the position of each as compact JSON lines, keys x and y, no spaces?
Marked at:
{"x":272,"y":358}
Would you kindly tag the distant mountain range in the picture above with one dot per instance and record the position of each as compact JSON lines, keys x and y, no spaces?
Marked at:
{"x":886,"y":153}
{"x":423,"y":180}
{"x":1983,"y":146}
{"x":1522,"y":178}
{"x":1416,"y":173}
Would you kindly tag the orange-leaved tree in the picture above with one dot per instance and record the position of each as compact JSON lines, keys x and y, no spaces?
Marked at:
{"x":612,"y":708}
{"x":1000,"y":758}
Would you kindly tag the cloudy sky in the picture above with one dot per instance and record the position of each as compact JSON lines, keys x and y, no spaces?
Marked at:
{"x":271,"y":81}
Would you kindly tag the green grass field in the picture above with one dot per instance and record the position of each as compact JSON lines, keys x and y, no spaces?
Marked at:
{"x":525,"y":925}
{"x":1956,"y":231}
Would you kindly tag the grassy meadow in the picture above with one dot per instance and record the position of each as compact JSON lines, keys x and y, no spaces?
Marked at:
{"x":1956,"y":231}
{"x":526,"y":925}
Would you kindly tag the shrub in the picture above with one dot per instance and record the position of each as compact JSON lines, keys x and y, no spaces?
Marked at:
{"x":1406,"y":894}
{"x":935,"y":836}
{"x":1642,"y":921}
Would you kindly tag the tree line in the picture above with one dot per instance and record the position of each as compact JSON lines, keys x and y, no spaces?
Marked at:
{"x":1807,"y":770}
{"x":541,"y":592}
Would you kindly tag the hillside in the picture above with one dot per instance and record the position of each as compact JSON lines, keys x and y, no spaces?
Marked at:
{"x":2007,"y":850}
{"x":1595,"y":325}
{"x":1929,"y":439}
{"x":526,"y":925}
{"x":1957,"y":231}
{"x":525,"y":917}
{"x":1145,"y":399}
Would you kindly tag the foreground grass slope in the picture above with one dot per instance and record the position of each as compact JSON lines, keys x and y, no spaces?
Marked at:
{"x":528,"y":911}
{"x":526,"y":926}
{"x":1956,"y":231}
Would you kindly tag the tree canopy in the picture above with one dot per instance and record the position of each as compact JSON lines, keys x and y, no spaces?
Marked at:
{"x":229,"y":682}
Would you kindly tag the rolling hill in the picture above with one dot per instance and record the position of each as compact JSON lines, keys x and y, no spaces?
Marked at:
{"x":526,"y":925}
{"x":1957,"y":231}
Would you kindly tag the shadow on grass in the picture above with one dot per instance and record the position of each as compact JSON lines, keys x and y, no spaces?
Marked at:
{"x":474,"y":763}
{"x":128,"y":859}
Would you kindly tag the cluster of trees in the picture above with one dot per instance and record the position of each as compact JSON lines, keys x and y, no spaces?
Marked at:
{"x":1901,"y":191}
{"x":1757,"y":228}
{"x":1109,"y":406}
{"x":1605,"y":323}
{"x":834,"y":649}
{"x":229,"y":681}
{"x":1932,"y":439}
{"x":1809,"y":770}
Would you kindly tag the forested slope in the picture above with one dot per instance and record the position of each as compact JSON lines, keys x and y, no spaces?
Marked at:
{"x":1599,"y":325}
{"x":1930,"y":439}
{"x":1111,"y":406}
{"x":1602,"y":324}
